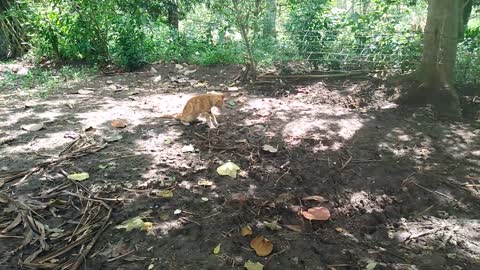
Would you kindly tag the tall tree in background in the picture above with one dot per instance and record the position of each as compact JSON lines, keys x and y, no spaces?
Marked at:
{"x":245,"y":15}
{"x":270,"y":20}
{"x":172,"y":14}
{"x":443,"y":30}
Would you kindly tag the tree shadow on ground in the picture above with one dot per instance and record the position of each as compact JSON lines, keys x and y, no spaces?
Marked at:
{"x":399,"y":184}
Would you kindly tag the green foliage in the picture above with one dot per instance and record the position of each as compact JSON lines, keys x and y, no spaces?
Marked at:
{"x":376,"y":37}
{"x":373,"y":34}
{"x":468,"y":57}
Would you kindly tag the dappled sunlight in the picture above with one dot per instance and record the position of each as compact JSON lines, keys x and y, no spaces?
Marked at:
{"x":442,"y":233}
{"x":407,"y":143}
{"x":459,"y":140}
{"x":46,"y":143}
{"x":376,"y":167}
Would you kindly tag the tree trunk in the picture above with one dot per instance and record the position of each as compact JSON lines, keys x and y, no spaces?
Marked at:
{"x":173,"y":15}
{"x":436,"y":73}
{"x":12,"y":35}
{"x":269,"y":24}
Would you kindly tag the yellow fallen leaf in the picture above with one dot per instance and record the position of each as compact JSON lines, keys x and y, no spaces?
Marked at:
{"x":246,"y":231}
{"x":272,"y":225}
{"x":339,"y":230}
{"x":229,"y":169}
{"x":148,"y":226}
{"x":205,"y":182}
{"x":262,"y":246}
{"x":134,"y":223}
{"x":216,"y":250}
{"x":78,"y":176}
{"x":249,"y":265}
{"x":162,"y":193}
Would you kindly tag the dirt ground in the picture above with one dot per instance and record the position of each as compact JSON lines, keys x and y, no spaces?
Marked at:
{"x":402,"y":187}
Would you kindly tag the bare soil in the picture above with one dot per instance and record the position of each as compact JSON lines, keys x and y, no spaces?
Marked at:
{"x":402,"y":187}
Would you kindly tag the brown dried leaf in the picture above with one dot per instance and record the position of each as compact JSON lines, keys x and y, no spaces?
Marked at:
{"x":13,"y":224}
{"x":119,"y":123}
{"x":315,"y":198}
{"x":246,"y":231}
{"x":317,"y":213}
{"x":262,"y":246}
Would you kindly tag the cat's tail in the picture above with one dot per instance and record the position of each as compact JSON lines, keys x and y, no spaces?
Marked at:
{"x":176,"y":116}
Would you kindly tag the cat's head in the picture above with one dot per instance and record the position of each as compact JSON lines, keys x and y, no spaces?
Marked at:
{"x":218,"y":99}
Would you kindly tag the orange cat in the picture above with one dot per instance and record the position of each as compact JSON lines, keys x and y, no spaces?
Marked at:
{"x":199,"y":105}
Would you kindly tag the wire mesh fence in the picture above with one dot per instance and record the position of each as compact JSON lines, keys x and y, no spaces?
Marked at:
{"x":341,"y":49}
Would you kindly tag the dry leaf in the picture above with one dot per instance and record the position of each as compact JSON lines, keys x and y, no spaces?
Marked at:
{"x":118,"y":123}
{"x":238,"y":198}
{"x":216,"y":250}
{"x":113,"y":138}
{"x":177,"y":212}
{"x":78,"y":176}
{"x":339,"y":230}
{"x":134,"y":223}
{"x":162,"y":193}
{"x":315,"y":198}
{"x":33,"y":127}
{"x":188,"y":148}
{"x":371,"y":265}
{"x":84,"y":92}
{"x":284,"y":197}
{"x":317,"y":213}
{"x":272,"y":225}
{"x":249,"y":265}
{"x":270,"y":148}
{"x":229,"y":169}
{"x":262,"y":246}
{"x":295,"y":228}
{"x":205,"y":182}
{"x":246,"y":231}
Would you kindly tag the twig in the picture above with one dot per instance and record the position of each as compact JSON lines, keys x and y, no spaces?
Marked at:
{"x":189,"y":220}
{"x":278,"y":253}
{"x":435,"y":192}
{"x":201,"y":136}
{"x":339,"y":265}
{"x":425,"y":233}
{"x":346,"y":163}
{"x":11,"y":236}
{"x":366,"y":160}
{"x":212,"y":215}
{"x":90,"y":245}
{"x":121,"y":256}
{"x":278,"y":179}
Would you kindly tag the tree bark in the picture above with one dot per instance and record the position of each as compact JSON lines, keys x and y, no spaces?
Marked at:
{"x":436,"y":73}
{"x":269,"y":24}
{"x":172,"y":15}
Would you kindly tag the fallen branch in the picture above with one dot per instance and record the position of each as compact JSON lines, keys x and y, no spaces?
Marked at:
{"x":314,"y":76}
